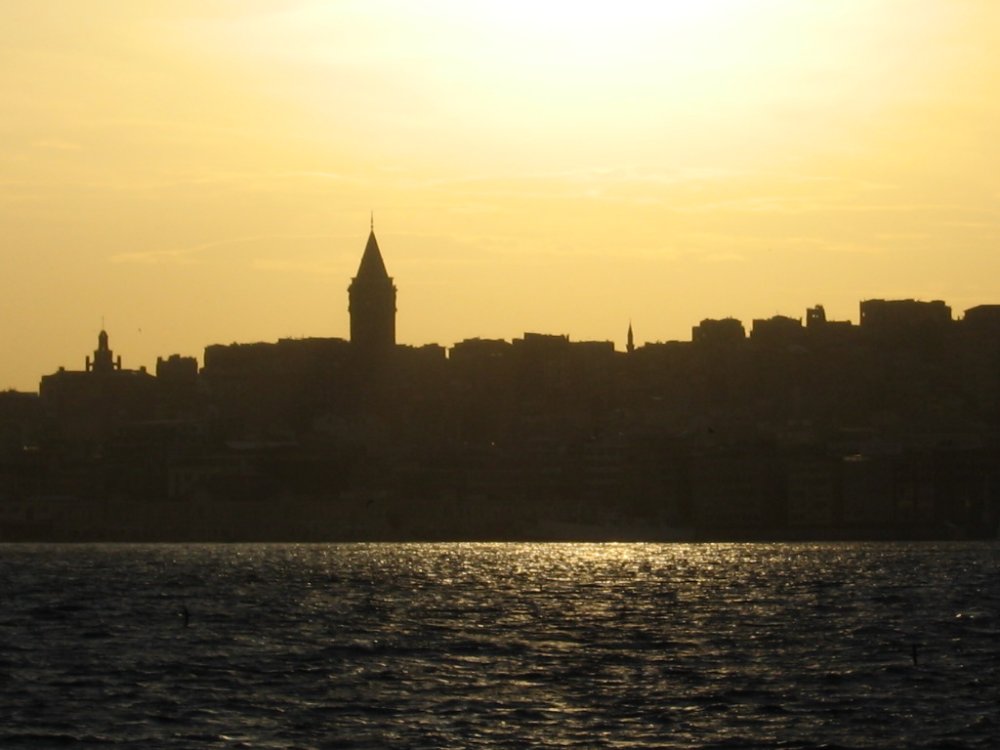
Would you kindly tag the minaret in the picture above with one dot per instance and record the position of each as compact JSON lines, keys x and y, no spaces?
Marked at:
{"x":630,"y":345}
{"x":372,"y":302}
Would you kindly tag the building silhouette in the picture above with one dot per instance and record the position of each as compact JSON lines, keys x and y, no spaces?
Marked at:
{"x":91,"y":403}
{"x":805,"y":428}
{"x":104,"y":361}
{"x":372,"y":303}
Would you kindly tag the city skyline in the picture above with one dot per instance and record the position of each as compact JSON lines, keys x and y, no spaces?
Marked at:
{"x":621,"y":343}
{"x":372,"y":321}
{"x":203,"y":173}
{"x":778,"y":429}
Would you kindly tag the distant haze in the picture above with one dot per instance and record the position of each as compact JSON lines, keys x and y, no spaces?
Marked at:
{"x":203,"y":171}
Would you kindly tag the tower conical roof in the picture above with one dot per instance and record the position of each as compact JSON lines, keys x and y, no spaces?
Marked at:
{"x":372,"y":266}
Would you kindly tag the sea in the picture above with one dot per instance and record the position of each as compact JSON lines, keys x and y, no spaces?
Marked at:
{"x":844,"y":645}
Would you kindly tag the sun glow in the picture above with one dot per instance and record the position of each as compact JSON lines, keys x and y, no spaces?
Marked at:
{"x":626,"y":82}
{"x":596,"y":32}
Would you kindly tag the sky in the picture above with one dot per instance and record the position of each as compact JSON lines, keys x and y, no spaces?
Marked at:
{"x":193,"y":172}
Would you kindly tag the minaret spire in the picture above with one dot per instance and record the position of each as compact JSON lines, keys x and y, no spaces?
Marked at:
{"x":630,"y":345}
{"x":373,"y":221}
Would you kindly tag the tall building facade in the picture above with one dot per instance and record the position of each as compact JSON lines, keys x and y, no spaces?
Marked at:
{"x":372,"y":303}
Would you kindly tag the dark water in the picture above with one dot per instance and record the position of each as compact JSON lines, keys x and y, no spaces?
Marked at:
{"x":496,"y":646}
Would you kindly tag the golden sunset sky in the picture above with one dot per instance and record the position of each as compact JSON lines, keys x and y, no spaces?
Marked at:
{"x":202,"y":171}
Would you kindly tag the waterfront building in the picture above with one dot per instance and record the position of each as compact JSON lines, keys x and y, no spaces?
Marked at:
{"x":91,"y":404}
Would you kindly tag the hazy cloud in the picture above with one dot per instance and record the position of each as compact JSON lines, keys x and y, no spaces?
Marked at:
{"x":325,"y":267}
{"x":55,"y":144}
{"x":194,"y":253}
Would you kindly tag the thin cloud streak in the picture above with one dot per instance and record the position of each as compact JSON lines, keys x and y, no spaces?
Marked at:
{"x":192,"y":254}
{"x":55,"y":144}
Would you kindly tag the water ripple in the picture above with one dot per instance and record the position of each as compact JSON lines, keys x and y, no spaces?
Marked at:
{"x":499,"y":646}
